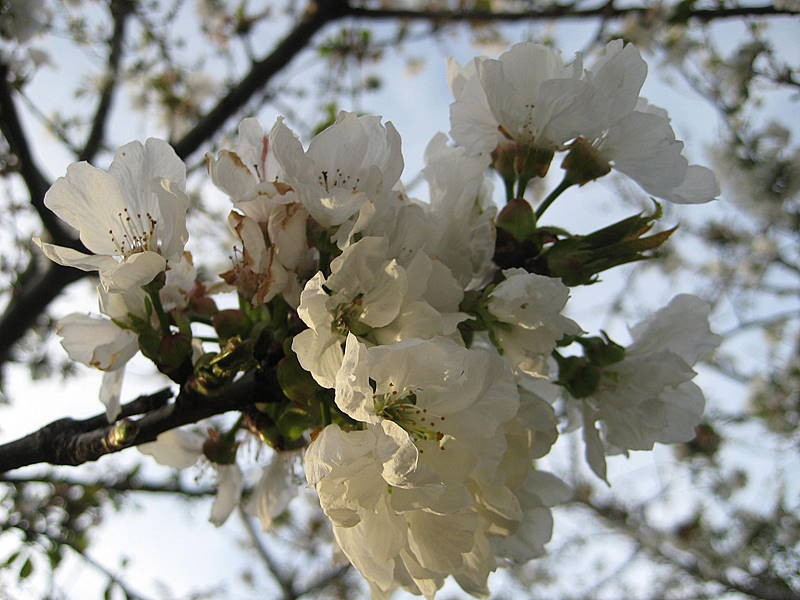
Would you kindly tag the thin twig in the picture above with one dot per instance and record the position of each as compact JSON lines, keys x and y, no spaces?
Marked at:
{"x":761,"y":322}
{"x":695,"y":565}
{"x":35,"y":181}
{"x":325,"y":580}
{"x":285,"y":583}
{"x":120,"y":10}
{"x":118,"y":485}
{"x":565,"y":12}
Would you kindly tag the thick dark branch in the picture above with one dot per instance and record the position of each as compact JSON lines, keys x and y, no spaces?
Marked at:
{"x":316,"y":16}
{"x":606,"y":11}
{"x":35,"y":181}
{"x":30,"y":302}
{"x":37,"y":291}
{"x":74,"y":442}
{"x":33,"y":299}
{"x":120,"y":10}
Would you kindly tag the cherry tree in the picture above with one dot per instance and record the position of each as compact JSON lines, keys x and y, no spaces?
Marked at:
{"x":408,"y":354}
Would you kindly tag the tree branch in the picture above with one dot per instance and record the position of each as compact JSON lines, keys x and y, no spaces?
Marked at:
{"x":605,"y":10}
{"x":325,"y":580}
{"x":81,"y":552}
{"x":649,"y":539}
{"x":761,"y":323}
{"x":316,"y":16}
{"x":74,"y":442}
{"x":285,"y":583}
{"x":30,"y":301}
{"x":35,"y":181}
{"x":120,"y":10}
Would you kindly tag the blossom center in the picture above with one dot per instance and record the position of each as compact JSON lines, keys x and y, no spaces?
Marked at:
{"x":338,"y":180}
{"x":346,"y":317}
{"x":134,"y":233}
{"x":402,"y":409}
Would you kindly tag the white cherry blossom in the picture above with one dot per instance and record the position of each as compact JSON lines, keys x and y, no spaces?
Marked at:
{"x":347,"y":169}
{"x":513,"y":97}
{"x":371,"y":295}
{"x":268,"y":218}
{"x":528,"y":307}
{"x":133,"y":217}
{"x":250,"y":168}
{"x":649,"y":396}
{"x":441,"y":472}
{"x":461,"y":233}
{"x":181,"y":449}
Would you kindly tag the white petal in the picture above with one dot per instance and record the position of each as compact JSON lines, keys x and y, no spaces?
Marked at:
{"x":594,"y":451}
{"x":230,"y":483}
{"x":319,"y":354}
{"x":276,"y":488}
{"x":439,"y":542}
{"x":397,"y":452}
{"x":230,"y":174}
{"x":91,"y":201}
{"x":681,"y":327}
{"x":353,"y":392}
{"x":700,"y":185}
{"x":135,"y":166}
{"x":333,"y":448}
{"x":73,"y":258}
{"x":177,"y":448}
{"x":134,"y":272}
{"x":110,"y":391}
{"x":96,"y":342}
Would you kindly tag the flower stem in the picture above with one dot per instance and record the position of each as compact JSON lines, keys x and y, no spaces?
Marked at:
{"x":326,"y":413}
{"x":522,"y":185}
{"x":509,"y":185}
{"x":163,"y":320}
{"x":565,"y":183}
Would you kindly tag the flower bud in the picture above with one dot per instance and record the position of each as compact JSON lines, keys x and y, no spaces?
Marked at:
{"x":577,"y":260}
{"x":583,"y":164}
{"x":517,"y":218}
{"x":230,"y":323}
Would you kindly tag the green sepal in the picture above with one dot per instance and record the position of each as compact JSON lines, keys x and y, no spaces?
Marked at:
{"x":579,"y":259}
{"x":601,"y":352}
{"x":518,"y":219}
{"x":577,"y":375}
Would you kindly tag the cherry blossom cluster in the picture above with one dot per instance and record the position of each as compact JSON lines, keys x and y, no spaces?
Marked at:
{"x":415,"y":353}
